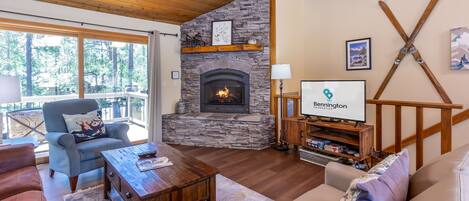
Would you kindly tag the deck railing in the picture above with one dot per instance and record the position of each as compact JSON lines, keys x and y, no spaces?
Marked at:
{"x":134,"y":109}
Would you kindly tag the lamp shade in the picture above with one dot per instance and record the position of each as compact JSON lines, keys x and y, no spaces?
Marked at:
{"x":281,"y":72}
{"x":9,"y":89}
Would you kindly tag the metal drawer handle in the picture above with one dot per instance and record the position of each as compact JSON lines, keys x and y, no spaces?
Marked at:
{"x":128,"y":195}
{"x":111,"y":174}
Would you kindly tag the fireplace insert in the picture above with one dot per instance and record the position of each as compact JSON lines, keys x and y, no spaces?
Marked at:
{"x":224,"y":91}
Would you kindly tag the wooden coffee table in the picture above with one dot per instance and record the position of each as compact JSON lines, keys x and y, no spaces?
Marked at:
{"x":187,"y":180}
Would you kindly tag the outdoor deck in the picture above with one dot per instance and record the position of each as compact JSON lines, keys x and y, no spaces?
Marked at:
{"x":25,"y":122}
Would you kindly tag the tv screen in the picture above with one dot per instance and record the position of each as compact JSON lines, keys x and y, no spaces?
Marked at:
{"x":334,"y":99}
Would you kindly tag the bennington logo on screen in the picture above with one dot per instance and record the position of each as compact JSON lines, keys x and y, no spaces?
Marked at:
{"x":329,"y":105}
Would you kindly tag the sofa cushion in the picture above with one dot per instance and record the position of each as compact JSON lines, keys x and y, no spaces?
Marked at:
{"x":453,"y":187}
{"x":13,"y":157}
{"x":340,"y":176}
{"x":322,"y":193}
{"x":436,"y":170}
{"x":18,"y":181}
{"x":90,"y":150}
{"x":27,"y":196}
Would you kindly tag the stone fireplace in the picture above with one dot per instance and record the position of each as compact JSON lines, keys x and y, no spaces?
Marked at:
{"x":228,"y":93}
{"x":224,"y":91}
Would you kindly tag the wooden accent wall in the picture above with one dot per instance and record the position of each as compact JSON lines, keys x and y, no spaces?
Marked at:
{"x":174,"y":11}
{"x":52,"y":29}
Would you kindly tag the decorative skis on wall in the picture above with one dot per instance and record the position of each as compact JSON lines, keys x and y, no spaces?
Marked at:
{"x":446,"y":107}
{"x":410,"y":48}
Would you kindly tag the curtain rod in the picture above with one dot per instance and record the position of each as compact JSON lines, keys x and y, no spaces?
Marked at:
{"x":86,"y":23}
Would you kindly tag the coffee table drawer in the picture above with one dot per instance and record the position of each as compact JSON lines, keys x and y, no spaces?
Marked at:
{"x":127,"y":193}
{"x":111,"y":174}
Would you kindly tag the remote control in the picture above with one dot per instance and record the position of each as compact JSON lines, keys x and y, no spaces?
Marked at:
{"x":147,"y":154}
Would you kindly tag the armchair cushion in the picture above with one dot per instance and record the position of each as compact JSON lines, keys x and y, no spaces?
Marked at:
{"x":90,"y":150}
{"x":18,"y":181}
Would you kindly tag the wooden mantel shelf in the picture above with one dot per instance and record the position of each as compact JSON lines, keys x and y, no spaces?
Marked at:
{"x":222,"y":48}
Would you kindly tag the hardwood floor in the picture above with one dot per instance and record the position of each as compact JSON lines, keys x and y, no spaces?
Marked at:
{"x":277,"y":175}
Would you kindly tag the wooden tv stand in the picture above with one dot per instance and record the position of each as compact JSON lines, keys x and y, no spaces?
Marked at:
{"x":360,"y":138}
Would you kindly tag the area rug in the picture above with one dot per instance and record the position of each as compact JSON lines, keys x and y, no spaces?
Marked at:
{"x":227,"y":190}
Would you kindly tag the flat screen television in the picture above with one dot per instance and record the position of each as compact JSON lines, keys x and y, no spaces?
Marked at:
{"x":335,"y":99}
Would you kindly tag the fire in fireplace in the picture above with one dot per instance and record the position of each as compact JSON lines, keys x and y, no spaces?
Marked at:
{"x":224,"y":91}
{"x":224,"y":94}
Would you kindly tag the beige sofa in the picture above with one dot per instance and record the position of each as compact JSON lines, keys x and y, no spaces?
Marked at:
{"x":444,"y":179}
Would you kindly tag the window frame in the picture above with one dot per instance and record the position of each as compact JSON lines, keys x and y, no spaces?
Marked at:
{"x":80,"y":33}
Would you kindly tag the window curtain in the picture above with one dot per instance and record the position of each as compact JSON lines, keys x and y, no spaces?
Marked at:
{"x":155,"y":80}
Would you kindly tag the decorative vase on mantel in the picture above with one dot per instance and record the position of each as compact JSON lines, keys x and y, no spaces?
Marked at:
{"x":181,"y":107}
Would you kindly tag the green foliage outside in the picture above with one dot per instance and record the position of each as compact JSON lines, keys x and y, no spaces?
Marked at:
{"x":50,"y":68}
{"x":53,"y":62}
{"x":108,"y":67}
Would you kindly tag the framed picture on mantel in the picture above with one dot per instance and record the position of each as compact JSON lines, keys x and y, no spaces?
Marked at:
{"x":222,"y":32}
{"x":359,"y":54}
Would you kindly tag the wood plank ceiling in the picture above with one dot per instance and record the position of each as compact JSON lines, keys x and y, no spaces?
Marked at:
{"x":169,"y":11}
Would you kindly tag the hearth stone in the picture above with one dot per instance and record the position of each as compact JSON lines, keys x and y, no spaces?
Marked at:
{"x":220,"y":130}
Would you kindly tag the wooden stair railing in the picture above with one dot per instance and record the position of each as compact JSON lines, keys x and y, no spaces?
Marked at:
{"x":293,"y":96}
{"x":432,"y":130}
{"x":445,"y":125}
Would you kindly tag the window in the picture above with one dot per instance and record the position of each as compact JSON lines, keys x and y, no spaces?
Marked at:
{"x":116,"y":75}
{"x":46,"y":64}
{"x":48,"y":60}
{"x":47,"y":68}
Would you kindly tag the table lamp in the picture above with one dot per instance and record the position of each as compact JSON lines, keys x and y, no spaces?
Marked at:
{"x":281,"y":72}
{"x":9,"y":93}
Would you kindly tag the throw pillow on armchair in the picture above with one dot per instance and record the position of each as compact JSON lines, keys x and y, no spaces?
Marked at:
{"x":85,"y":127}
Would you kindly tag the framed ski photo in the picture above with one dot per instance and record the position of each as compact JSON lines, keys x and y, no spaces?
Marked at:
{"x":358,"y":54}
{"x":459,"y":49}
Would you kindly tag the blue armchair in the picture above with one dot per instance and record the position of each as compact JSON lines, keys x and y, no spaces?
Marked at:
{"x":68,"y":157}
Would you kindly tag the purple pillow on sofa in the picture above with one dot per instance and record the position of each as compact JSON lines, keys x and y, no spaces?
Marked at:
{"x":391,"y":185}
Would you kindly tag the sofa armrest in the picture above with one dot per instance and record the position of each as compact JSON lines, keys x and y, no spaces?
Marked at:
{"x":65,"y":140}
{"x":340,"y":176}
{"x":118,"y":131}
{"x":14,"y":157}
